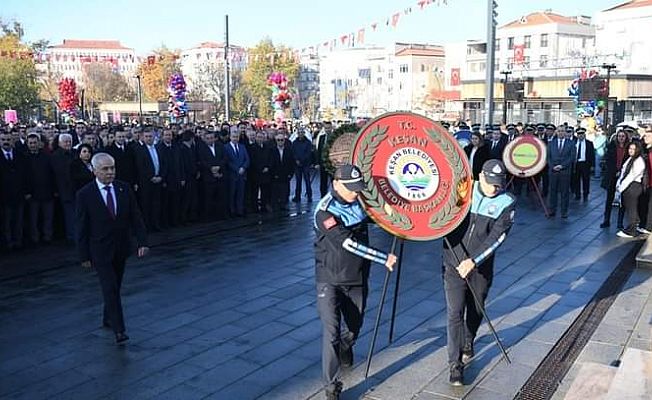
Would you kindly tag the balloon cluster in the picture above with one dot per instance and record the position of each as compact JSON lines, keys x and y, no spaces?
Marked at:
{"x":585,"y":109}
{"x":177,"y":107}
{"x":281,"y":96}
{"x":68,"y":98}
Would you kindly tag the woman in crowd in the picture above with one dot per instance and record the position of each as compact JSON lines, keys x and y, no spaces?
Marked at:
{"x":477,"y":153}
{"x":81,"y":170}
{"x":630,"y":188}
{"x":616,"y":153}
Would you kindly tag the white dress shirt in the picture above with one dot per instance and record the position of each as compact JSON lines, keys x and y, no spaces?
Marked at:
{"x":580,"y":150}
{"x":103,"y":192}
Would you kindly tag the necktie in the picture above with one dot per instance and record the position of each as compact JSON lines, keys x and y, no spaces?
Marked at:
{"x":237,"y":153}
{"x":152,"y":153}
{"x":9,"y":156}
{"x":109,"y":201}
{"x":579,"y":151}
{"x":560,"y":145}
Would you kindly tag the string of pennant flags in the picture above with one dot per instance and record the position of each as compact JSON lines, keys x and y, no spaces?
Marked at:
{"x":349,"y":40}
{"x":358,"y":36}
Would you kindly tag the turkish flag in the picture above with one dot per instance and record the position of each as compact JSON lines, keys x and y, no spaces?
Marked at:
{"x":455,"y":77}
{"x":361,"y":36}
{"x":395,"y":18}
{"x":519,"y":54}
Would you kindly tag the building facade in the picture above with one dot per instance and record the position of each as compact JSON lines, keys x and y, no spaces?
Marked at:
{"x":69,"y":58}
{"x":366,"y":82}
{"x":202,"y":67}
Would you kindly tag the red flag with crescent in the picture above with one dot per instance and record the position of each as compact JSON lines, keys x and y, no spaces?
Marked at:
{"x":519,"y":54}
{"x":455,"y":77}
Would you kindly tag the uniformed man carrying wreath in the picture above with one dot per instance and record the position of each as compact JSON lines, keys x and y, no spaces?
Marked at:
{"x":468,"y":260}
{"x":342,"y":260}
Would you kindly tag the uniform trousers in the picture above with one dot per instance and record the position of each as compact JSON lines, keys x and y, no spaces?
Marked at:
{"x":464,"y":318}
{"x":334,"y":304}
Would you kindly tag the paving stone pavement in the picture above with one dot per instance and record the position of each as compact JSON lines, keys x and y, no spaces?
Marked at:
{"x":229,"y":313}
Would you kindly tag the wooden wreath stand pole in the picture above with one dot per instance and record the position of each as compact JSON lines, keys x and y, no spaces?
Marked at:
{"x":543,"y":203}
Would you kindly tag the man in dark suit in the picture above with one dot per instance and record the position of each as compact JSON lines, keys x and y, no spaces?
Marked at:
{"x":123,"y":154}
{"x":496,"y":145}
{"x":62,"y":158}
{"x":304,"y":158}
{"x":190,"y":166}
{"x":237,"y":164}
{"x":561,"y":152}
{"x":174,"y":180}
{"x":107,"y":216}
{"x":281,"y":170}
{"x":585,"y":157}
{"x":212,"y":165}
{"x":41,"y":189}
{"x":151,"y":172}
{"x":260,"y":172}
{"x":13,"y":191}
{"x":322,"y":138}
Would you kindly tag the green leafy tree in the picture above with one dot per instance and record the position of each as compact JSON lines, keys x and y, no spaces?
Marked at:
{"x":264,"y":59}
{"x":155,"y":76}
{"x":18,"y":77}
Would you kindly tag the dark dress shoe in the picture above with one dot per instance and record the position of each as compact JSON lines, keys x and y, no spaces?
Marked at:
{"x":121,"y":338}
{"x":346,"y":357}
{"x":605,"y":225}
{"x":106,"y":324}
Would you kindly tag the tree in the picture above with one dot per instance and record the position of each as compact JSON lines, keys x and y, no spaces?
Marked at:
{"x":155,"y":76}
{"x":18,"y":85}
{"x":102,"y":83}
{"x":309,"y":106}
{"x":208,"y":84}
{"x":266,"y":58}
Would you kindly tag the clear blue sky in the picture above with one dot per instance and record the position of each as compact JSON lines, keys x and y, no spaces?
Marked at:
{"x":181,"y":24}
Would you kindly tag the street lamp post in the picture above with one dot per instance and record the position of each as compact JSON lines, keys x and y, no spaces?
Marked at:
{"x":608,"y":67}
{"x":140,"y":102}
{"x":491,"y":60}
{"x":506,"y":73}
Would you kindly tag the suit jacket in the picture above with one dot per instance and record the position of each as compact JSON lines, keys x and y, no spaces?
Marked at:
{"x":100,"y":237}
{"x":125,"y":164}
{"x":13,"y":178}
{"x":236,"y":161}
{"x":481,"y":155}
{"x":189,"y":161}
{"x":79,"y":174}
{"x":171,"y":157}
{"x":302,"y":151}
{"x":207,"y":160}
{"x":589,"y":152}
{"x":564,"y":157}
{"x":40,"y":176}
{"x":145,"y":165}
{"x":61,"y":161}
{"x":495,"y":153}
{"x":261,"y":158}
{"x":282,"y":169}
{"x":322,"y":138}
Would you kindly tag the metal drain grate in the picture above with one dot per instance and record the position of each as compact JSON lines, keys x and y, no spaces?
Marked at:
{"x":545,"y":380}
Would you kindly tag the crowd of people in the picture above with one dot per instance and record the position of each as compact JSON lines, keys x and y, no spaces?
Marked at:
{"x":184,"y":173}
{"x":620,"y":162}
{"x":181,"y":173}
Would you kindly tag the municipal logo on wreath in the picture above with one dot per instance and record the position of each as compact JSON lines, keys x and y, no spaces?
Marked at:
{"x":525,"y":156}
{"x":413,"y":174}
{"x":418,"y":180}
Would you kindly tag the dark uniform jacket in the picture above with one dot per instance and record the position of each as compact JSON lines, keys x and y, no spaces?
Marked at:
{"x":125,"y":163}
{"x":483,"y":230}
{"x":342,"y":255}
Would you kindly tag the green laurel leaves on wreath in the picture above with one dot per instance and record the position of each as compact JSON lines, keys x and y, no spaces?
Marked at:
{"x":364,"y":161}
{"x":342,"y":129}
{"x":450,"y":210}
